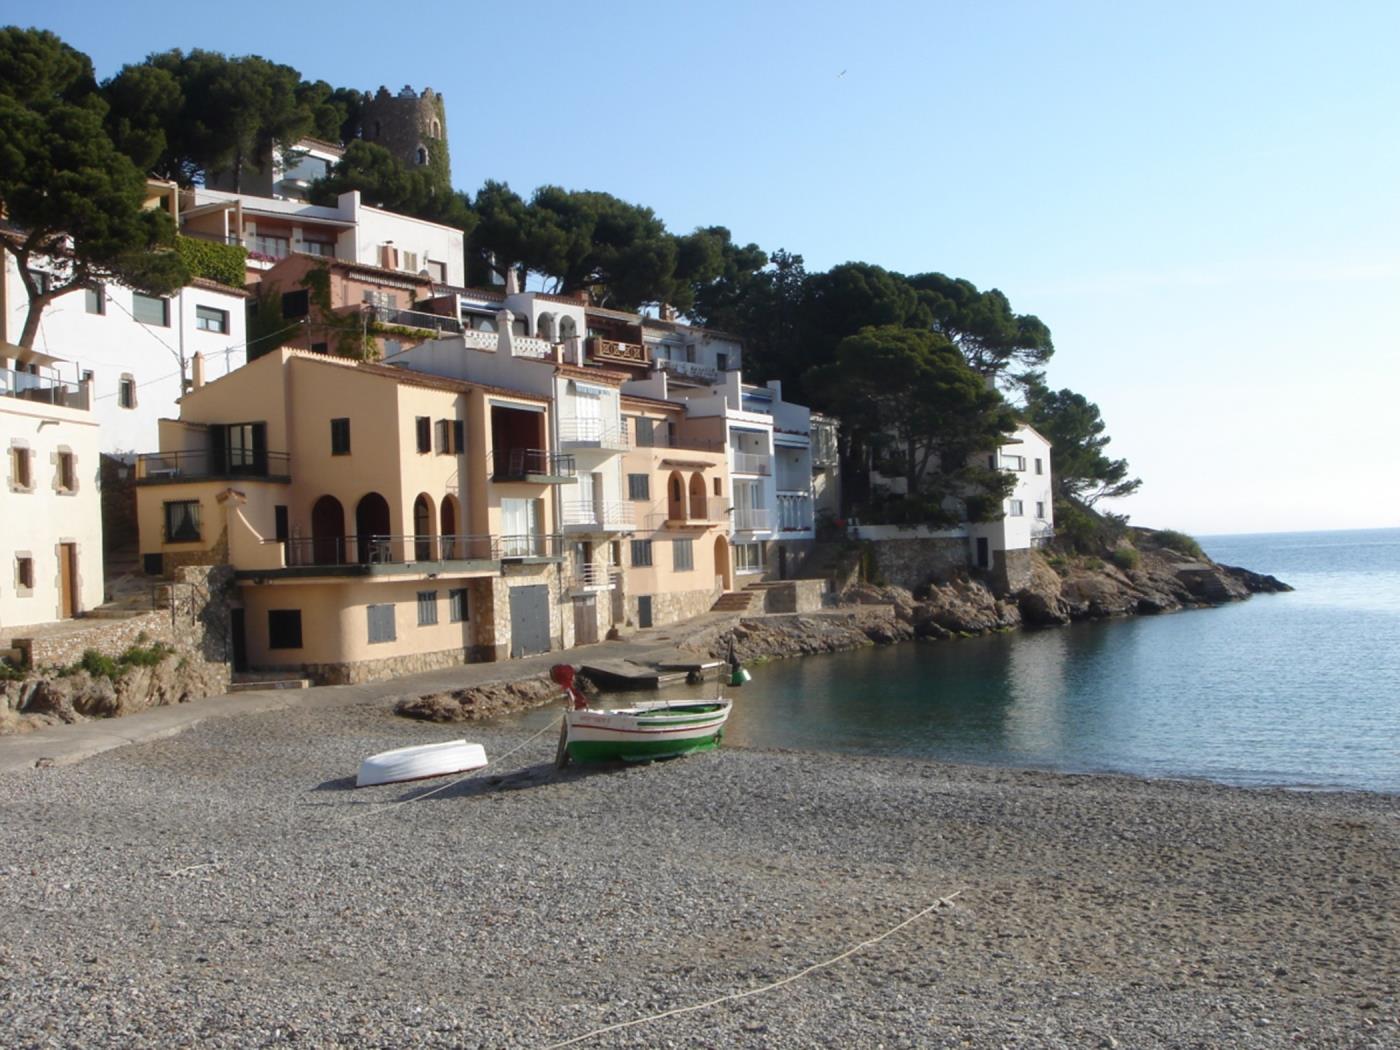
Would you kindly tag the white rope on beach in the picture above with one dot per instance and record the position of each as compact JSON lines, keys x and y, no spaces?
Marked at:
{"x":385,"y":806}
{"x":939,"y":903}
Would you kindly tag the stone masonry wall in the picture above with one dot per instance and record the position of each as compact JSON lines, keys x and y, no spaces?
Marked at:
{"x":390,"y":667}
{"x":912,"y":563}
{"x":674,"y":606}
{"x":794,"y":596}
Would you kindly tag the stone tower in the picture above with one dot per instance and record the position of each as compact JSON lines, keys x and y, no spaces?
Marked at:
{"x":412,"y":127}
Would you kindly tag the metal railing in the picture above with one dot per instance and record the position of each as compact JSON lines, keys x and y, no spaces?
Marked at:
{"x":794,"y":513}
{"x":26,"y":386}
{"x":713,"y":511}
{"x":596,"y":432}
{"x":416,"y":319}
{"x":520,"y":464}
{"x":660,"y":439}
{"x":603,"y":516}
{"x":380,"y":549}
{"x":193,"y":464}
{"x":693,"y":369}
{"x":592,"y":576}
{"x":615,"y":350}
{"x":751,"y":518}
{"x":751,"y":463}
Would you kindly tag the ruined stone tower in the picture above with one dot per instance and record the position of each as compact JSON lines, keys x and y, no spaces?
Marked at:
{"x":412,"y":127}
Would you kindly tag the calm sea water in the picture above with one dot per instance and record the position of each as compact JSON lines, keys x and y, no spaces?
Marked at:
{"x":1299,"y":689}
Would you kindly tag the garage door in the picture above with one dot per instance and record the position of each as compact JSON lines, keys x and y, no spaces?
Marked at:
{"x":529,"y":620}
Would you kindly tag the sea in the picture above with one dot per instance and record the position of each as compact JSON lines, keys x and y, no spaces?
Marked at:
{"x":1298,"y":690}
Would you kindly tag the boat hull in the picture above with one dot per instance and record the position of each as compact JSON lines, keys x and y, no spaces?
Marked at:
{"x":420,"y":763}
{"x":645,"y":732}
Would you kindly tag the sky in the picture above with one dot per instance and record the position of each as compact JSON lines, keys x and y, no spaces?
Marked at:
{"x":1198,"y":199}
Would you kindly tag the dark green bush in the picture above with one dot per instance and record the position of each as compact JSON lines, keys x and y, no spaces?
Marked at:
{"x":97,"y":665}
{"x":1179,"y":542}
{"x":1126,"y":558}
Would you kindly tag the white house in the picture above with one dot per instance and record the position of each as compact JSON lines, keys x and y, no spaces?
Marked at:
{"x":135,"y":349}
{"x":50,"y":500}
{"x":1028,"y":513}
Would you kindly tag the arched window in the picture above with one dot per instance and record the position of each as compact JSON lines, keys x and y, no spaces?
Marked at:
{"x":544,"y":327}
{"x":567,"y":328}
{"x":436,"y":129}
{"x":422,"y":154}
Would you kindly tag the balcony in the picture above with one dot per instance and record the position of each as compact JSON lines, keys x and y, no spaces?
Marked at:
{"x":532,"y":465}
{"x":415,"y":319}
{"x":594,"y":433}
{"x":752,"y":519}
{"x":379,"y":554}
{"x":208,"y":464}
{"x":601,"y":349}
{"x":529,"y":346}
{"x":588,"y":516}
{"x":794,"y":513}
{"x":481,"y":340}
{"x":591,"y":578}
{"x":715,"y":511}
{"x":689,"y":369}
{"x":751,"y":463}
{"x":45,"y":390}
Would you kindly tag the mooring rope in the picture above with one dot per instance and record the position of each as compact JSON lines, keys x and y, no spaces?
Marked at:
{"x":382,"y":807}
{"x":939,"y":903}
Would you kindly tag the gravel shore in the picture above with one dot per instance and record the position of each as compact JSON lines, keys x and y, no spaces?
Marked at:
{"x":229,"y":888}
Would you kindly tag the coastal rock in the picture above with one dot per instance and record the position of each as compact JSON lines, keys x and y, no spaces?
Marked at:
{"x":480,"y":701}
{"x":1040,"y":601}
{"x":1256,"y":582}
{"x":54,"y":697}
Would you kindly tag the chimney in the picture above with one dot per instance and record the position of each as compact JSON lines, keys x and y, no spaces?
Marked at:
{"x":512,"y":281}
{"x":668,"y":312}
{"x":197,"y":371}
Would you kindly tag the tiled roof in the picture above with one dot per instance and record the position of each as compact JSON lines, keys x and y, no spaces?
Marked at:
{"x":409,"y":377}
{"x":215,"y":286}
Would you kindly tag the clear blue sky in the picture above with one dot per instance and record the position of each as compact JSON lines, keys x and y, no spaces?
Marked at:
{"x":1199,"y":199}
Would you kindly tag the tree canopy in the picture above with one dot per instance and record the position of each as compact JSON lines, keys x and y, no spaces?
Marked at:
{"x":76,"y":201}
{"x":1082,"y":471}
{"x":912,"y":404}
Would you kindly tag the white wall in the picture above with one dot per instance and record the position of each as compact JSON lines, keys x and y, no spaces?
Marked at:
{"x":113,"y":344}
{"x":374,"y":227}
{"x":38,"y":520}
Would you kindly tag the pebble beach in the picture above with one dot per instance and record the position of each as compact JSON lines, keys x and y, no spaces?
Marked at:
{"x":229,"y":887}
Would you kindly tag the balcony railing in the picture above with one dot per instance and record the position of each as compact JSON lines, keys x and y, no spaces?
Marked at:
{"x":416,"y":319}
{"x":591,"y":576}
{"x":530,"y":464}
{"x":752,"y":519}
{"x":196,"y":464}
{"x":692,"y":515}
{"x":529,"y":346}
{"x":751,"y":463}
{"x":658,"y":438}
{"x":596,"y":433}
{"x":428,"y":551}
{"x":614,"y":350}
{"x":692,"y":369}
{"x":794,"y":513}
{"x":44,"y":389}
{"x":480,"y":340}
{"x":604,"y":517}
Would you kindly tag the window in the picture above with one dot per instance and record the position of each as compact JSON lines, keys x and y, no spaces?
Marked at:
{"x":721,"y":362}
{"x":284,"y":628}
{"x":208,"y":319}
{"x":408,"y":262}
{"x":992,"y":461}
{"x":296,"y":304}
{"x":322,"y":248}
{"x":422,"y":155}
{"x":638,"y":486}
{"x":438,"y":272}
{"x":340,"y":437}
{"x":281,"y":531}
{"x":272,"y":247}
{"x":748,"y":557}
{"x":427,"y":608}
{"x":20,"y":480}
{"x":1039,"y":465}
{"x":641,"y":553}
{"x":423,"y":425}
{"x":1039,"y":511}
{"x":126,"y":391}
{"x":1015,"y":508}
{"x":24,"y":572}
{"x":1013,"y":462}
{"x":150,"y":309}
{"x":646,"y":431}
{"x":381,"y":623}
{"x":682,"y":555}
{"x":457,"y":604}
{"x":47,"y":282}
{"x":182,"y":521}
{"x":96,"y":299}
{"x":67,"y":482}
{"x":451,"y":436}
{"x":718,"y":490}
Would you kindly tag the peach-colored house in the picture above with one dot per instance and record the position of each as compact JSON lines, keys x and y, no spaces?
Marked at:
{"x":379,"y":520}
{"x":677,"y":479}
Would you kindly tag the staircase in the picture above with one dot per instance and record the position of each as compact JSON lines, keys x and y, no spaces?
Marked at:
{"x":740,"y":602}
{"x":251,"y":681}
{"x":127,"y":589}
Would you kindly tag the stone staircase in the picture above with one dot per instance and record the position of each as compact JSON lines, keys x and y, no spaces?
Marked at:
{"x":740,"y":602}
{"x":251,"y":681}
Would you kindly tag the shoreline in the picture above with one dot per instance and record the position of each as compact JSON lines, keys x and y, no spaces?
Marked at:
{"x":524,"y":906}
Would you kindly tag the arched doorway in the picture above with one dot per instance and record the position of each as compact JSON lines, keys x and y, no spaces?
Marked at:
{"x":567,"y":328}
{"x":697,"y":497}
{"x":724,"y":572}
{"x":544,"y":327}
{"x":447,"y":517}
{"x":327,"y":532}
{"x":675,"y":497}
{"x":423,"y":528}
{"x":372,"y":528}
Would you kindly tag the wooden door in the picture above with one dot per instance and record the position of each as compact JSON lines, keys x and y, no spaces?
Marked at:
{"x":68,"y":599}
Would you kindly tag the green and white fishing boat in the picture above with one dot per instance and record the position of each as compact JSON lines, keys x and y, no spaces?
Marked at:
{"x":660,"y":729}
{"x":639,"y":733}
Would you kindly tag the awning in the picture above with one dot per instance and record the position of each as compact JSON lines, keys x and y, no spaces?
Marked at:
{"x":494,"y":403}
{"x":24,"y":355}
{"x":591,"y":389}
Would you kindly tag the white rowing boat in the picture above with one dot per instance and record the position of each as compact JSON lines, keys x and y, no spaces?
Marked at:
{"x":420,"y":763}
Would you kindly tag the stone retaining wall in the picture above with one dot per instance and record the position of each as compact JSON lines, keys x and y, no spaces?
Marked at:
{"x":794,"y":596}
{"x":912,"y":563}
{"x":674,"y":606}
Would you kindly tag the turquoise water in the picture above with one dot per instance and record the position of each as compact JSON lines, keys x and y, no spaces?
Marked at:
{"x":1299,"y":689}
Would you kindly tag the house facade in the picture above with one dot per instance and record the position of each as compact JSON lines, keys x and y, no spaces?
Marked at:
{"x":1028,"y":514}
{"x":50,"y":494}
{"x":379,"y":520}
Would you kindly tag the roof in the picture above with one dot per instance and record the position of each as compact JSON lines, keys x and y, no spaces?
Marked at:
{"x":576,"y":372}
{"x":674,"y":406}
{"x":216,"y":286}
{"x":409,"y":377}
{"x":332,"y":263}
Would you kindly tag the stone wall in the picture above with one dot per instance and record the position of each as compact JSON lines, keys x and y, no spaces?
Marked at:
{"x":674,"y":606}
{"x":784,"y":559}
{"x":912,"y":563}
{"x":389,"y":667}
{"x":794,"y":596}
{"x":1012,"y":571}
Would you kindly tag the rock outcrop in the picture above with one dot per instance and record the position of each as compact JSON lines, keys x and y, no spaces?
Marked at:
{"x":480,"y":701}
